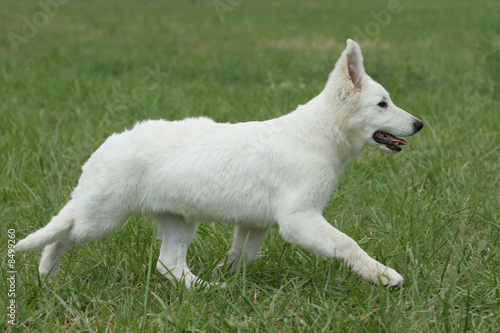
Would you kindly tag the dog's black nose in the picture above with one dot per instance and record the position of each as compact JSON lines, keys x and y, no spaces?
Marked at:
{"x":417,"y":125}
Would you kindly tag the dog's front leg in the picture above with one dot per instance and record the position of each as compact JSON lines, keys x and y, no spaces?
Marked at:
{"x":312,"y":232}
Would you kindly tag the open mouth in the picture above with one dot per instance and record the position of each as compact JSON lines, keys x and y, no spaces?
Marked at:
{"x":389,"y":140}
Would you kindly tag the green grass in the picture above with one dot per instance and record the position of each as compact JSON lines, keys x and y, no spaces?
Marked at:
{"x":430,"y":212}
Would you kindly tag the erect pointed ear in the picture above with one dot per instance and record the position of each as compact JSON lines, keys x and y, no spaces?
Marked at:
{"x":353,"y":63}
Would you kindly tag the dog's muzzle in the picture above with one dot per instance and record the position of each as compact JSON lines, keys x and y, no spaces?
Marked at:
{"x":391,"y":141}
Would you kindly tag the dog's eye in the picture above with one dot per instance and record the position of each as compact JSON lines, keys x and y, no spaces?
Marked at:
{"x":382,"y":104}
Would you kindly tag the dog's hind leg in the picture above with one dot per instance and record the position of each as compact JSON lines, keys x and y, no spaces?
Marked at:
{"x":51,"y":257}
{"x":92,"y":222}
{"x":177,"y":234}
{"x":245,"y":240}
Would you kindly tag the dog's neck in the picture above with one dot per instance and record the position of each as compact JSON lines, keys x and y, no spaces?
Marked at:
{"x":331,"y":135}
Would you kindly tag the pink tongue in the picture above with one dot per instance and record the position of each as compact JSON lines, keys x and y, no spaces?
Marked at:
{"x":400,"y":141}
{"x":396,"y":140}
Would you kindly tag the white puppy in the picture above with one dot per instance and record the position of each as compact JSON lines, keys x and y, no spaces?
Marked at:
{"x":257,"y":175}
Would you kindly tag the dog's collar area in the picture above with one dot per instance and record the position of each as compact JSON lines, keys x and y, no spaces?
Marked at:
{"x":389,"y":140}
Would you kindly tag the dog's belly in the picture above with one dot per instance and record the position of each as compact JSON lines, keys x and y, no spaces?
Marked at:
{"x":248,"y":206}
{"x":247,"y":220}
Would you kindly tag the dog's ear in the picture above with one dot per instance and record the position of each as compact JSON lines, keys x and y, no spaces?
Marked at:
{"x":349,"y":72}
{"x":353,"y":66}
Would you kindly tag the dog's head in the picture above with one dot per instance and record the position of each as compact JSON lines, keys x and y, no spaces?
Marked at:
{"x":369,"y":110}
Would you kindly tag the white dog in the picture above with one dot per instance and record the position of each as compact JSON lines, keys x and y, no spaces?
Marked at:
{"x":257,"y":175}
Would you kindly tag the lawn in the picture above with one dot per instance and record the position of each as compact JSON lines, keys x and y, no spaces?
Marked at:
{"x":73,"y":72}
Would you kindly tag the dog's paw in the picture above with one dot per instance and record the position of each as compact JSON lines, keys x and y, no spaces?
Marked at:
{"x":227,"y":266}
{"x":376,"y":273}
{"x":201,"y":284}
{"x":389,"y":277}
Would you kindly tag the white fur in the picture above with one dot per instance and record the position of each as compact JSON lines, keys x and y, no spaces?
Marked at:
{"x":256,"y":175}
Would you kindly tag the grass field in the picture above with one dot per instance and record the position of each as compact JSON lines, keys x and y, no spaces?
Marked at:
{"x":72,"y":73}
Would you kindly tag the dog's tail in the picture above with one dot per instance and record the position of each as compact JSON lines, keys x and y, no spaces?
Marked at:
{"x":57,"y":228}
